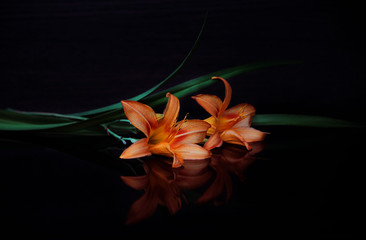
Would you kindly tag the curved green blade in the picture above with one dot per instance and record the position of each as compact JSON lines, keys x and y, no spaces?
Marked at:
{"x":179,"y":90}
{"x":302,"y":121}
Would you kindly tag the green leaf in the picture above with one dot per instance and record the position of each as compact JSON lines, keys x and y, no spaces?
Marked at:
{"x":13,"y":120}
{"x":179,"y":90}
{"x":33,"y":118}
{"x":196,"y":84}
{"x":27,"y":126}
{"x":302,"y":121}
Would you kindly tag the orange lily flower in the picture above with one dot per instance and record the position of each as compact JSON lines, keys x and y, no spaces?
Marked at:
{"x":228,"y":125}
{"x":164,"y":136}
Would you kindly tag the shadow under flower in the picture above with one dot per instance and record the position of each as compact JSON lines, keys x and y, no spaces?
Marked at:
{"x":164,"y":186}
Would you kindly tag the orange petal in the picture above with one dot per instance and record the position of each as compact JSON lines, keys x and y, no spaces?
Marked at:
{"x":164,"y":149}
{"x":251,"y":134}
{"x":191,"y":131}
{"x":138,"y":149}
{"x":232,"y":136}
{"x":191,"y":151}
{"x":241,"y":110}
{"x":161,"y":149}
{"x":171,"y":111}
{"x":212,"y":121}
{"x":211,"y":103}
{"x":228,"y":93}
{"x":243,"y":123}
{"x":213,"y":142}
{"x":140,"y":115}
{"x":234,"y":115}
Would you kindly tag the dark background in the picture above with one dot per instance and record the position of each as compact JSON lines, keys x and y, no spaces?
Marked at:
{"x":70,"y":56}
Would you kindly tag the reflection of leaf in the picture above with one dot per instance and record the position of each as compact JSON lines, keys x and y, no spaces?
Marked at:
{"x":301,"y":120}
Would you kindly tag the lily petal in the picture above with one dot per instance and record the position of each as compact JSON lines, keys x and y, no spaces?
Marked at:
{"x":138,"y":149}
{"x":140,"y":115}
{"x":191,"y":151}
{"x":212,"y":121}
{"x":228,"y":93}
{"x":241,"y":110}
{"x":231,"y":116}
{"x":164,"y":149}
{"x":191,"y":131}
{"x":251,"y":134}
{"x":232,"y":136}
{"x":211,"y":103}
{"x":161,"y":149}
{"x":213,"y":142}
{"x":243,"y":123}
{"x":170,"y":112}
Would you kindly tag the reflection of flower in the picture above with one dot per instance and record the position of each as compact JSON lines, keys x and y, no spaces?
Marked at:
{"x":227,"y":160}
{"x":229,"y":125}
{"x":159,"y":187}
{"x":163,"y":185}
{"x":164,"y":136}
{"x":194,"y":174}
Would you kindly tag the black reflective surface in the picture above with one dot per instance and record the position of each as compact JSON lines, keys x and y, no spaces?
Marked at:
{"x":299,"y":182}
